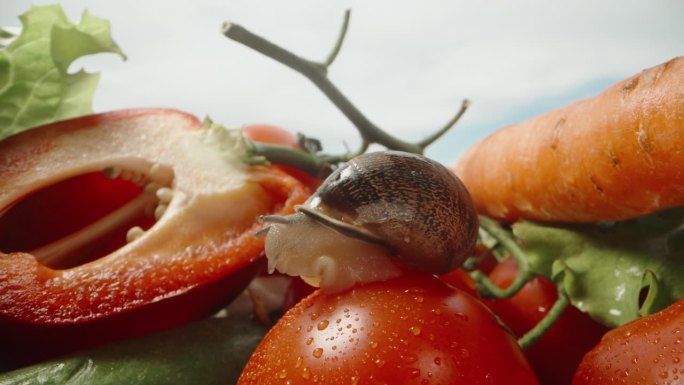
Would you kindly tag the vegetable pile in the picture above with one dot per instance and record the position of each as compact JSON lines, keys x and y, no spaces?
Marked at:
{"x":181,"y":251}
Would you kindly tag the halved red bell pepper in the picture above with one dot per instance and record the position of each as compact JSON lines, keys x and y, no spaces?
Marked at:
{"x":200,"y":253}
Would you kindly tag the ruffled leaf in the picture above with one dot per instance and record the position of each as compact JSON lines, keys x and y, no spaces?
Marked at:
{"x":614,"y":272}
{"x":35,"y":86}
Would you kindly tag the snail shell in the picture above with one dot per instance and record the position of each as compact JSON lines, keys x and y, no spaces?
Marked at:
{"x":394,"y":208}
{"x":409,"y":203}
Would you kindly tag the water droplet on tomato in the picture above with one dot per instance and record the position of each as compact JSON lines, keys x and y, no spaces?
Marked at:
{"x":309,"y":341}
{"x":461,"y":316}
{"x":409,"y":358}
{"x":282,"y":374}
{"x":318,"y":352}
{"x":323,"y":324}
{"x":415,"y":330}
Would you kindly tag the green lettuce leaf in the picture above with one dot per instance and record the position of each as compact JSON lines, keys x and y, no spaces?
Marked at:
{"x":209,"y":351}
{"x":614,"y":272}
{"x":35,"y":86}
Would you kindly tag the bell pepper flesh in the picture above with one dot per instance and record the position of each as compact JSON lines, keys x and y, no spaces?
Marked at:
{"x":198,"y":256}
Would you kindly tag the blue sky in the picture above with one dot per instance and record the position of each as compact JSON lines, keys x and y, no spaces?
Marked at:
{"x":407,"y":65}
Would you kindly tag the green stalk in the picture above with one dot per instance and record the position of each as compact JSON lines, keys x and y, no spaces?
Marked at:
{"x":317,"y":73}
{"x":485,"y":286}
{"x":538,"y":331}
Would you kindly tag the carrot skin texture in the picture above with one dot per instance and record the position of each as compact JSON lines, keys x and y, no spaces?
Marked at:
{"x":615,"y":156}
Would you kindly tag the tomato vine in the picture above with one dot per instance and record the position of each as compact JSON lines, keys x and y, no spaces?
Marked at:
{"x":314,"y":162}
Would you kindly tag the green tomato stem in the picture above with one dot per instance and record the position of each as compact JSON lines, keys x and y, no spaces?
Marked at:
{"x":538,"y":331}
{"x":306,"y":162}
{"x":485,"y":286}
{"x":316,"y":72}
{"x":338,"y":45}
{"x":435,"y":136}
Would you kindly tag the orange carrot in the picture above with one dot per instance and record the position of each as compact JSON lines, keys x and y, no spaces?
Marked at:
{"x":615,"y":156}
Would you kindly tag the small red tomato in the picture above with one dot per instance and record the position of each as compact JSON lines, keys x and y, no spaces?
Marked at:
{"x":558,"y":353}
{"x":460,"y":279}
{"x":413,"y":329}
{"x":296,"y":291}
{"x":648,"y":351}
{"x":266,"y":133}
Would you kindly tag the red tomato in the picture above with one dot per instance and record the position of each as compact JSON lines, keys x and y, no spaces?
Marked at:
{"x":558,"y":353}
{"x":414,"y":329}
{"x":296,"y":291}
{"x":266,"y":133}
{"x":649,"y":350}
{"x":460,"y":279}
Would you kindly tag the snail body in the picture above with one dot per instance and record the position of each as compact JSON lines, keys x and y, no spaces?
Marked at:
{"x":402,"y":207}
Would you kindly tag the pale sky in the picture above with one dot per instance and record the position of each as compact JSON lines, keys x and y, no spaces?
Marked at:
{"x":406,"y":64}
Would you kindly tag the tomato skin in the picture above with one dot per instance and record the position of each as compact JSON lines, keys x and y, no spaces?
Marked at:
{"x":297,"y":290}
{"x":558,"y":353}
{"x":266,"y":133}
{"x":648,"y":351}
{"x":413,"y":329}
{"x":462,"y":280}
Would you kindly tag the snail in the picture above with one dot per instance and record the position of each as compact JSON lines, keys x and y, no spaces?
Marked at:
{"x":373,"y":216}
